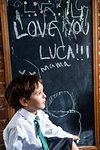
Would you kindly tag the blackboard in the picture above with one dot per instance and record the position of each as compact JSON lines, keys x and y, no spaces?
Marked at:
{"x":53,"y":39}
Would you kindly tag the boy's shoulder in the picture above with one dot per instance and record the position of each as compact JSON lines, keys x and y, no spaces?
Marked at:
{"x":17,"y":119}
{"x":20,"y":118}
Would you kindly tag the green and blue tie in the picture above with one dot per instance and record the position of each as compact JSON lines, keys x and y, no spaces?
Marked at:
{"x":39,"y":132}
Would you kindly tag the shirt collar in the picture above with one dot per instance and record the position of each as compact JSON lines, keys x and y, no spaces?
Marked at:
{"x":28,"y":115}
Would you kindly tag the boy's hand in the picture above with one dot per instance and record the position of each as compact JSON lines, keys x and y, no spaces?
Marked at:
{"x":76,"y":138}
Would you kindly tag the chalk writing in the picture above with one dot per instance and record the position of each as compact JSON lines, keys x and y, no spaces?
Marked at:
{"x":19,"y":19}
{"x":54,"y":53}
{"x":17,"y":4}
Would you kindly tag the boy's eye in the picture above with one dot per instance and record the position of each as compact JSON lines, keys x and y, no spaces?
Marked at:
{"x":39,"y":92}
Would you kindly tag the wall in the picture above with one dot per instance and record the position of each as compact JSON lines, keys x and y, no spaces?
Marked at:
{"x":3,"y":104}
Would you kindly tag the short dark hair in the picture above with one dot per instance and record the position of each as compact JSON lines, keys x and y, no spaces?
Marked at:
{"x":21,"y":86}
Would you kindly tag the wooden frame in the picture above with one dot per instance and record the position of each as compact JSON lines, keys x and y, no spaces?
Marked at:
{"x":8,"y":77}
{"x":96,"y":74}
{"x":6,"y":48}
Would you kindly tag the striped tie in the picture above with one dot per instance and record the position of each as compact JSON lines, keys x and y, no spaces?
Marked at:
{"x":42,"y":138}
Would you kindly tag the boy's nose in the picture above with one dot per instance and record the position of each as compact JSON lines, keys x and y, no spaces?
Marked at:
{"x":44,"y":95}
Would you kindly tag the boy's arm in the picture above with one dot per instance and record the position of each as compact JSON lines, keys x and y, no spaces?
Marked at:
{"x":55,"y":131}
{"x":12,"y":139}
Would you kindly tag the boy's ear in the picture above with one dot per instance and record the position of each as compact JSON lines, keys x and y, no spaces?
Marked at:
{"x":23,"y":101}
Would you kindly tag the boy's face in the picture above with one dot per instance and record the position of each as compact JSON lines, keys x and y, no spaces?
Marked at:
{"x":37,"y":99}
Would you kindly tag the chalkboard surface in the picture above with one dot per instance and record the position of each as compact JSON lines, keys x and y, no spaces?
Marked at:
{"x":53,"y":39}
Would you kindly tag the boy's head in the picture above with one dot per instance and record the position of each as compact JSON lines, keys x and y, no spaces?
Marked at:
{"x":22,"y":89}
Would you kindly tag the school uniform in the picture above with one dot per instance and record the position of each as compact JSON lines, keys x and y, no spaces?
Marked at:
{"x":20,"y":133}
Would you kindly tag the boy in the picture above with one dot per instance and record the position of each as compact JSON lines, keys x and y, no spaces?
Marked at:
{"x":25,"y":94}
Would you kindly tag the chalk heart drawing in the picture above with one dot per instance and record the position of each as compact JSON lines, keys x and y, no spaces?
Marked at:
{"x":61,"y":105}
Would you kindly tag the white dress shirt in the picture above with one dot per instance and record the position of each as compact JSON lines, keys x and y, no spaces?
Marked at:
{"x":20,"y":133}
